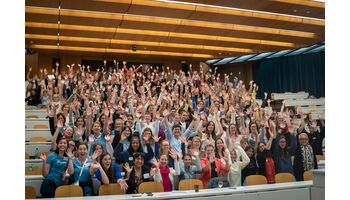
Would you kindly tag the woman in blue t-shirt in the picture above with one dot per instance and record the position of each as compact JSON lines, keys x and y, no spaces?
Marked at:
{"x":81,"y":173}
{"x":107,"y":172}
{"x":54,"y":168}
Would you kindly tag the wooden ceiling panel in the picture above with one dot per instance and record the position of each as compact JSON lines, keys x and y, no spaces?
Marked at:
{"x":213,"y":17}
{"x":147,"y":26}
{"x":158,"y":11}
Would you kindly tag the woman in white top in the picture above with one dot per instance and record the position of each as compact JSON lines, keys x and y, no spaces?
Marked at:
{"x":165,"y":174}
{"x":236,"y":166}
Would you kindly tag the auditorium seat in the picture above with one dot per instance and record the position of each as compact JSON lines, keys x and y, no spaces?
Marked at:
{"x":284,"y":177}
{"x":147,"y":187}
{"x":30,"y":192}
{"x":308,"y":176}
{"x":110,"y":189}
{"x":255,"y":180}
{"x":69,"y":191}
{"x":188,"y":184}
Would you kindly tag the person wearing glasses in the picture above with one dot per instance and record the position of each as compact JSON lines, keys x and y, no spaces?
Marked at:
{"x":304,"y":157}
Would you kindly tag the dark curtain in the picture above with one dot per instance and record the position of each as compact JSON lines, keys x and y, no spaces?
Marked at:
{"x":291,"y":74}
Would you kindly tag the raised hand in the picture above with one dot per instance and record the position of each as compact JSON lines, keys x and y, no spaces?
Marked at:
{"x":123,"y":185}
{"x":59,"y":124}
{"x":95,"y":155}
{"x":127,"y":167}
{"x":69,"y":153}
{"x":95,"y":165}
{"x":166,"y":113}
{"x":43,"y":157}
{"x":155,"y":138}
{"x":155,"y":163}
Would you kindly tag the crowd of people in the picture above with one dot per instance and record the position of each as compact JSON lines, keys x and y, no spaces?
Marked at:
{"x":130,"y":125}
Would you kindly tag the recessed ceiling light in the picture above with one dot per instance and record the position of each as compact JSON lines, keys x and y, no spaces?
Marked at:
{"x":219,"y":53}
{"x":145,"y":48}
{"x":295,"y":10}
{"x":31,"y":42}
{"x":308,"y":12}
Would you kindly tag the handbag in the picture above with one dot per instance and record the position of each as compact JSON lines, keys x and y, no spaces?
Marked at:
{"x":81,"y":171}
{"x":270,"y":170}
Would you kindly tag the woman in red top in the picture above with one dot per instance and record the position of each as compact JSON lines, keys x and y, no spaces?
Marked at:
{"x":211,"y":166}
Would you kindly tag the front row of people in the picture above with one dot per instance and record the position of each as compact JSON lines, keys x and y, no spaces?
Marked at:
{"x":81,"y":167}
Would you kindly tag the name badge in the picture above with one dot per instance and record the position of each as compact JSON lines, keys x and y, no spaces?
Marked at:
{"x":130,"y":158}
{"x":145,"y":176}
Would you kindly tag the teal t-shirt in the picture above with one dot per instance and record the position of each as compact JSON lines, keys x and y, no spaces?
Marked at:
{"x":58,"y":166}
{"x":85,"y":175}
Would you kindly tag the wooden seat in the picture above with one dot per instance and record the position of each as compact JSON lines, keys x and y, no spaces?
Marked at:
{"x":69,"y":191}
{"x":38,"y":139}
{"x":320,"y":157}
{"x":188,"y":184}
{"x":35,"y":171}
{"x":110,"y":189}
{"x":40,"y":126}
{"x":284,"y":178}
{"x":147,"y":187}
{"x":27,"y":156}
{"x":255,"y":180}
{"x":308,"y":176}
{"x":32,"y":117}
{"x":30,"y":192}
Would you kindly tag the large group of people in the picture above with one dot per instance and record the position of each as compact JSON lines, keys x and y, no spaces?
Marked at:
{"x":130,"y":125}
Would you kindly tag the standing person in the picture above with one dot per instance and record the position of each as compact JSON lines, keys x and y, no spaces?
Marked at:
{"x":282,"y":154}
{"x":211,"y":166}
{"x":236,"y":166}
{"x":54,"y":168}
{"x":304,"y":157}
{"x":81,"y":173}
{"x":165,"y":174}
{"x":107,"y":172}
{"x":138,"y":173}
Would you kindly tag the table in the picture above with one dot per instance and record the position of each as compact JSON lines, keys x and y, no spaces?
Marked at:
{"x":285,"y":191}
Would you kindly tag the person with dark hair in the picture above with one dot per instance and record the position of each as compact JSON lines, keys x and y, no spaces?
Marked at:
{"x":187,"y":169}
{"x":251,"y":168}
{"x":282,"y":153}
{"x":211,"y":166}
{"x":81,"y":175}
{"x":107,"y":172}
{"x":138,"y":173}
{"x":54,"y":168}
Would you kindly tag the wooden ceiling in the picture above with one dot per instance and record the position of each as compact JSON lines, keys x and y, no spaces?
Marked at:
{"x":185,"y":29}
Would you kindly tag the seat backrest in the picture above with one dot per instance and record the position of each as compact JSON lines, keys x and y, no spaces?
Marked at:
{"x":110,"y":189}
{"x":32,"y":117}
{"x":284,"y":178}
{"x":188,"y":184}
{"x":30,"y":192}
{"x":40,"y":126}
{"x":69,"y":191}
{"x":147,"y":187}
{"x":27,"y":156}
{"x":320,"y":157}
{"x":38,"y":139}
{"x":255,"y":180}
{"x":308,"y":176}
{"x":36,"y":171}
